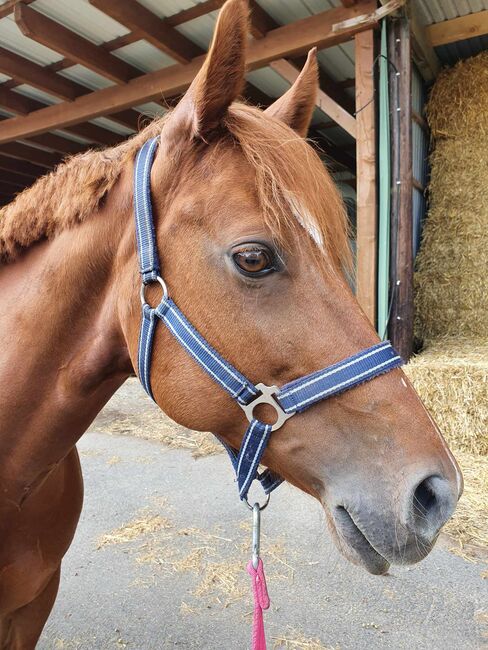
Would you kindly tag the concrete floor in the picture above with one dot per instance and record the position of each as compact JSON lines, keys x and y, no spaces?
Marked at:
{"x":182,"y":583}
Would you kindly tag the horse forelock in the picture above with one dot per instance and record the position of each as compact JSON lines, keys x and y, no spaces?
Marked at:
{"x":293,"y":188}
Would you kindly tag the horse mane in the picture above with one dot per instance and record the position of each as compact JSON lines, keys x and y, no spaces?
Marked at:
{"x":293,"y":187}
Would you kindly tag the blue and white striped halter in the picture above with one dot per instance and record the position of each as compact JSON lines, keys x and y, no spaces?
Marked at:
{"x":288,"y":400}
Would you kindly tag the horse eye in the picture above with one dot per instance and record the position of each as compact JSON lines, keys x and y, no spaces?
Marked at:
{"x":253,"y":261}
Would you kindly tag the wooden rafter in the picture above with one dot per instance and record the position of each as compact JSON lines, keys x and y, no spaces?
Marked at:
{"x":33,"y":74}
{"x":58,"y":143}
{"x":27,"y":72}
{"x":48,"y":32}
{"x":96,"y":134}
{"x":458,"y":29}
{"x":289,"y":40}
{"x":8,"y":7}
{"x":157,"y":32}
{"x":21,"y":105}
{"x":19,"y":180}
{"x":27,"y":169}
{"x":12,"y":183}
{"x":17,"y":103}
{"x":332,"y":152}
{"x":422,"y":51}
{"x":31,"y":154}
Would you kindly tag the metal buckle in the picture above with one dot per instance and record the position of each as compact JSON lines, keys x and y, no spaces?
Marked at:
{"x":267,"y":397}
{"x":163,"y":285}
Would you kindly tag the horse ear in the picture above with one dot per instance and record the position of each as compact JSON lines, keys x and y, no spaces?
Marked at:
{"x":296,"y":106}
{"x":221,"y":78}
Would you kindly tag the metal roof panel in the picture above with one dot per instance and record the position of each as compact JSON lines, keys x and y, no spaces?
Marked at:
{"x":82,"y":18}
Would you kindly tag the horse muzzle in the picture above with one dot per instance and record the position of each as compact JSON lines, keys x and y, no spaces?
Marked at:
{"x":378,"y":530}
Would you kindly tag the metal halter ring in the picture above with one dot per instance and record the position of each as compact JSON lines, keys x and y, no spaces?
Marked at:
{"x":267,"y":397}
{"x":261,"y":507}
{"x":163,"y":285}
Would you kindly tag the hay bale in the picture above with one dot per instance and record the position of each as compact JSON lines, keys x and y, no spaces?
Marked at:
{"x":458,"y":101}
{"x":451,"y":280}
{"x":451,"y":377}
{"x":469,"y":525}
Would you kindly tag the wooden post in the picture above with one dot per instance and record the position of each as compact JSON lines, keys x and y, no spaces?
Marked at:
{"x":401,"y":267}
{"x":366,"y":174}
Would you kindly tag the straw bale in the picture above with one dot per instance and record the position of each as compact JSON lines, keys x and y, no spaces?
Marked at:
{"x":451,"y":377}
{"x":451,"y":280}
{"x":469,"y":525}
{"x":458,"y":101}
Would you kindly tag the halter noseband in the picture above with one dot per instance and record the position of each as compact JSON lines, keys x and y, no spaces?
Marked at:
{"x":288,"y":400}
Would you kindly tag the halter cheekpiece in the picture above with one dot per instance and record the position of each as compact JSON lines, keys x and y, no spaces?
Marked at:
{"x":290,"y":399}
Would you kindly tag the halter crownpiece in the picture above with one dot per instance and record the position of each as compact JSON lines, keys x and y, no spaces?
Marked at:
{"x":290,"y":399}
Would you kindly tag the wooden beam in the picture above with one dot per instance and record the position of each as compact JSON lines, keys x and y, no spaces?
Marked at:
{"x":48,"y":32}
{"x":292,"y":39}
{"x":20,"y":167}
{"x":420,"y":121}
{"x":17,"y":103}
{"x":289,"y":72}
{"x":27,"y":72}
{"x":10,"y":181}
{"x":422,"y":50}
{"x":332,"y":152}
{"x":96,"y":134}
{"x":458,"y":29}
{"x":366,"y":175}
{"x":58,"y":143}
{"x":157,"y":32}
{"x":418,"y":185}
{"x":198,"y":10}
{"x":8,"y":7}
{"x":371,"y":17}
{"x":40,"y":77}
{"x":127,"y":118}
{"x":31,"y":154}
{"x":12,"y":188}
{"x":18,"y":180}
{"x":400,"y":328}
{"x":348,"y":3}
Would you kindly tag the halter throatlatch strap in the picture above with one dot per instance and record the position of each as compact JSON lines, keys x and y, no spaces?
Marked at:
{"x":288,"y":400}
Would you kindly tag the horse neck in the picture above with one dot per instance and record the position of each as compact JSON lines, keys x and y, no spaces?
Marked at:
{"x":66,"y":354}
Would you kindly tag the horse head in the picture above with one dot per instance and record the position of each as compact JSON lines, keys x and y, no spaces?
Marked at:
{"x":252,"y":236}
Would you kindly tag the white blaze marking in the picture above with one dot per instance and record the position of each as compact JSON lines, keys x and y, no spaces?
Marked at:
{"x":306,"y":220}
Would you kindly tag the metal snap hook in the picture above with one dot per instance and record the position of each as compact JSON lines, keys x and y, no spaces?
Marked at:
{"x":256,"y":534}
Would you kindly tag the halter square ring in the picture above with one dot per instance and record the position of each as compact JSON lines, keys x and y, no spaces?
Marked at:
{"x":267,"y":396}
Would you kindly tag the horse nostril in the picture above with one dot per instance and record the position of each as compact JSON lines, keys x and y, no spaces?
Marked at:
{"x":424,"y":497}
{"x":433,"y":504}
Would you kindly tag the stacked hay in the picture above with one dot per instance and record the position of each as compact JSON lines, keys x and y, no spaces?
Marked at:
{"x":451,"y":282}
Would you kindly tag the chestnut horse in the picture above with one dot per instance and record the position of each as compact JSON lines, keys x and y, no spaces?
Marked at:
{"x":252,"y":237}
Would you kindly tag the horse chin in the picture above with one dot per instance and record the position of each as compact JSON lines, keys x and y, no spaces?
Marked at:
{"x":354,"y":545}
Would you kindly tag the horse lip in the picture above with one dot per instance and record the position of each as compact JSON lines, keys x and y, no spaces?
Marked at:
{"x":355,"y":541}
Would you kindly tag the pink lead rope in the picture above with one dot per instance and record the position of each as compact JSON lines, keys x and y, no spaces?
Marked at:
{"x":256,"y":571}
{"x":261,"y":602}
